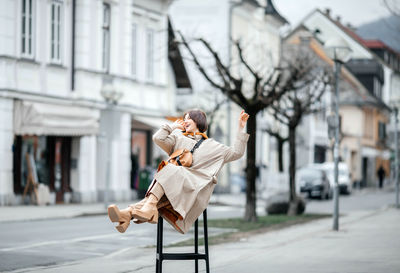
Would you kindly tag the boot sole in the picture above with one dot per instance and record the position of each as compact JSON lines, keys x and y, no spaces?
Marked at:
{"x":120,"y":228}
{"x":113,"y":214}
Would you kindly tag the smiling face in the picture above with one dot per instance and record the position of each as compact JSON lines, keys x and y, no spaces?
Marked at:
{"x":190,"y":125}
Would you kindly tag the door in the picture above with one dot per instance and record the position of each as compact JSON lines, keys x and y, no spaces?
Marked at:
{"x":364,"y":171}
{"x":60,"y":166}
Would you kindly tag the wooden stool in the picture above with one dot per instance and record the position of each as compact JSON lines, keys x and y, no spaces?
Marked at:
{"x":160,"y":257}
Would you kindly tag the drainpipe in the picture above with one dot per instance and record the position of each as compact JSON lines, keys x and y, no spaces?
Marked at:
{"x":73,"y":46}
{"x":396,"y":158}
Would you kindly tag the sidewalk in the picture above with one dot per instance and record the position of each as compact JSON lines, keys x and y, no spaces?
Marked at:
{"x":367,"y":242}
{"x":32,"y":212}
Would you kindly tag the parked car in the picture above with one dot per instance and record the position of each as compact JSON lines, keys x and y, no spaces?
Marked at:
{"x":238,"y":183}
{"x":344,"y":179}
{"x":313,"y":182}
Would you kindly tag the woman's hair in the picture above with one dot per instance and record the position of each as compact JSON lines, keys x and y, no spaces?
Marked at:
{"x":199,"y":117}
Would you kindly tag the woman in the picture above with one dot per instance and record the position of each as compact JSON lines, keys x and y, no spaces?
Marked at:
{"x":188,"y":190}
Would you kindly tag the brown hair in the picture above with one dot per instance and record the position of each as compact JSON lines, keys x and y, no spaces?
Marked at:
{"x":199,"y":117}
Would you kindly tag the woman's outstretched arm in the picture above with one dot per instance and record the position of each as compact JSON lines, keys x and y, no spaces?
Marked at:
{"x":163,"y":137}
{"x":237,"y":150}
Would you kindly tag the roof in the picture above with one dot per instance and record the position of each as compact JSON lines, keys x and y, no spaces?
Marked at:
{"x":175,"y":57}
{"x":368,"y":44}
{"x":352,"y":91}
{"x":378,"y":44}
{"x":251,"y":2}
{"x":271,"y":10}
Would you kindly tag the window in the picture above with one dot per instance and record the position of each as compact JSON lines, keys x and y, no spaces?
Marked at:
{"x":27,"y":29}
{"x":55,"y":42}
{"x":382,"y":131}
{"x":106,"y":37}
{"x":368,"y":128}
{"x":150,"y":55}
{"x":134,"y":50}
{"x":377,"y":88}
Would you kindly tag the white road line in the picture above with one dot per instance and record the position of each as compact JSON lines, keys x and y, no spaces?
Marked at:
{"x":139,"y":233}
{"x":118,"y":252}
{"x":54,"y":242}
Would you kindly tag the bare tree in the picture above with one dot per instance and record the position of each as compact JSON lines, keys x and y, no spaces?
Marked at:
{"x":211,"y":115}
{"x":265,"y":88}
{"x":313,"y":77}
{"x":281,"y":138}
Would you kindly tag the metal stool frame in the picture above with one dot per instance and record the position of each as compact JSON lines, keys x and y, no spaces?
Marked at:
{"x":161,"y":256}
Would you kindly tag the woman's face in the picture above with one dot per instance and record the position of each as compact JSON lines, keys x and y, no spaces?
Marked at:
{"x":190,"y":125}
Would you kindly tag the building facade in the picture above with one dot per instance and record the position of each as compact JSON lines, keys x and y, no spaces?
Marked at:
{"x":256,"y":24}
{"x":83,"y":85}
{"x":367,"y":72}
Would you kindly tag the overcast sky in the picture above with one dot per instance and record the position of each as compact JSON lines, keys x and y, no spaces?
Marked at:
{"x":356,"y":12}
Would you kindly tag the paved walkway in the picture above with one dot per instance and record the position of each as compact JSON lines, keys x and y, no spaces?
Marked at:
{"x":367,"y":242}
{"x":32,"y":212}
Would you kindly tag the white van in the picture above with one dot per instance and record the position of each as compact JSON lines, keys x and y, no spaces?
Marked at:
{"x":344,"y":179}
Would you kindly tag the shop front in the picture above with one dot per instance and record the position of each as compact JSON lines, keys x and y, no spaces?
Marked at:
{"x":145,"y":155}
{"x":44,"y":137}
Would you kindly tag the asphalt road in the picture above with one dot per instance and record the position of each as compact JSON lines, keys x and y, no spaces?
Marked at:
{"x":25,"y":245}
{"x":49,"y":242}
{"x":359,"y":200}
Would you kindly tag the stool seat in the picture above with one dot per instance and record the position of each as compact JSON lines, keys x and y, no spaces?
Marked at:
{"x":196,"y":256}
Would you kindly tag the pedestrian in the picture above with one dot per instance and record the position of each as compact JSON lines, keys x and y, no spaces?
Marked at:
{"x":381,"y":175}
{"x":187,"y":190}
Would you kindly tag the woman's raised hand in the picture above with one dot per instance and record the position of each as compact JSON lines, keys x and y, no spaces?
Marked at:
{"x":179,"y":124}
{"x":243,"y":117}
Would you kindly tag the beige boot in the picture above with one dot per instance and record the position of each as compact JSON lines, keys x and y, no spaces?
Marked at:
{"x":123,"y":217}
{"x":138,"y":206}
{"x":149,"y":211}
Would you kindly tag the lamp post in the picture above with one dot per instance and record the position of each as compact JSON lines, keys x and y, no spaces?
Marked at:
{"x":339,"y":51}
{"x":396,"y":155}
{"x":111,"y":97}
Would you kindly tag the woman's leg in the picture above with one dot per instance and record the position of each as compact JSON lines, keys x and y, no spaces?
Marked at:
{"x":149,"y":211}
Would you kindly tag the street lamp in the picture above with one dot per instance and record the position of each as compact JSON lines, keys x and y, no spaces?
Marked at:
{"x":338,"y":50}
{"x":111,"y":97}
{"x":396,"y":155}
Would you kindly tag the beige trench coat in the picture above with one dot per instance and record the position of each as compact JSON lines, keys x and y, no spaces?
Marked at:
{"x":189,"y":189}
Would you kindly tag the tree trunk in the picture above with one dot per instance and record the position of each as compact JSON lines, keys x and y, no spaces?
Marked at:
{"x":292,"y":172}
{"x":250,"y":212}
{"x":280,"y":154}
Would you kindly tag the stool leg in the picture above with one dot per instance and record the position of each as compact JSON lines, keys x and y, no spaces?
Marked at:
{"x":206,"y":240}
{"x":196,"y":244}
{"x":159,"y":257}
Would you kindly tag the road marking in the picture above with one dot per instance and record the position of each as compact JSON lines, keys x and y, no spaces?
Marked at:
{"x":54,"y":242}
{"x":118,"y":252}
{"x":139,"y":233}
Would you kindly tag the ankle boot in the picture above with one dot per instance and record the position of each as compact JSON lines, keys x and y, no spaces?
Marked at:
{"x":149,"y":211}
{"x":123,"y":217}
{"x":138,"y":206}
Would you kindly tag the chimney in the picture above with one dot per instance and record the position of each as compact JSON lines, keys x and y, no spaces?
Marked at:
{"x":338,"y":18}
{"x":350,"y":26}
{"x":328,"y":12}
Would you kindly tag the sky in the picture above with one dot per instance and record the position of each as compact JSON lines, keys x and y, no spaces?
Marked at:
{"x":355,"y":12}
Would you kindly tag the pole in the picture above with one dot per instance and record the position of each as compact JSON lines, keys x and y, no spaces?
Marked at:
{"x":396,"y":156}
{"x":108,"y":156}
{"x":336,"y":150}
{"x":232,"y":5}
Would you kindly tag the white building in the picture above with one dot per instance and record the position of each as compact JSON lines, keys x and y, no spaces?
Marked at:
{"x":256,"y":24}
{"x":57,"y":57}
